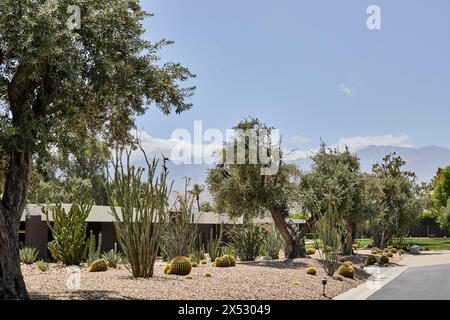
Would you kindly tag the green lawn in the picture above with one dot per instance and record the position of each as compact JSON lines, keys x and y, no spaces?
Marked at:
{"x":430,"y":243}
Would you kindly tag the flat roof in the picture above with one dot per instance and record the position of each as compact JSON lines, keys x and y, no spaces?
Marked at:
{"x":103,"y":214}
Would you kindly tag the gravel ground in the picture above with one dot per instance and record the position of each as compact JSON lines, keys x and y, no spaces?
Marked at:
{"x":277,"y":279}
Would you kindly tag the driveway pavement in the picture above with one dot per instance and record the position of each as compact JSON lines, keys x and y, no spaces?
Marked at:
{"x":417,"y":283}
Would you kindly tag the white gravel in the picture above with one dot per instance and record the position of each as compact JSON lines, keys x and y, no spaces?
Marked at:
{"x":279,"y":280}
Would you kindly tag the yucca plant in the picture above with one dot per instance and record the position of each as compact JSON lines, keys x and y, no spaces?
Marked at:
{"x":273,"y":243}
{"x":69,"y":232}
{"x":248,"y":240}
{"x":28,"y":255}
{"x":140,"y":210}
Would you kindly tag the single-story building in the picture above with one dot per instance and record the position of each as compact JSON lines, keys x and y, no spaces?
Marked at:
{"x":35,"y":233}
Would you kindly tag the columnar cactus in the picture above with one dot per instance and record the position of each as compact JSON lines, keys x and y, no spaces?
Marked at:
{"x":69,"y":231}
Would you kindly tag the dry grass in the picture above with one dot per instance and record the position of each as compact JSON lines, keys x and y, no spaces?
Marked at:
{"x":277,"y":280}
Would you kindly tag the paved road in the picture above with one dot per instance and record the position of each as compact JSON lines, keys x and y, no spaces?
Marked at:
{"x":419,"y":283}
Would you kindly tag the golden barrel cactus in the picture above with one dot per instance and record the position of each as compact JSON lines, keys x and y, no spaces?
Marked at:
{"x":180,"y":266}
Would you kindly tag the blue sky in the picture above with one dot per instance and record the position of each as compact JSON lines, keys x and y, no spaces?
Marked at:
{"x":311,"y":68}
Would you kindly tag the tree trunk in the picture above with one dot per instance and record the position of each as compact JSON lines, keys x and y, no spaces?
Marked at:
{"x":12,"y":285}
{"x":347,"y":243}
{"x":295,"y":243}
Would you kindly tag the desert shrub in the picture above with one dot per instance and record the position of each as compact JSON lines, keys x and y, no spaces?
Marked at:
{"x":94,"y":248}
{"x":28,"y":255}
{"x":113,"y":257}
{"x":198,"y":251}
{"x":43,"y":266}
{"x":180,"y":266}
{"x":247,"y":240}
{"x":310,"y":251}
{"x":311,"y":271}
{"x":384,"y":260}
{"x":98,"y":265}
{"x":347,"y":270}
{"x":215,"y":244}
{"x":370,"y":260}
{"x":328,"y":235}
{"x":69,"y":232}
{"x":273,"y":243}
{"x":181,"y":231}
{"x":140,"y":210}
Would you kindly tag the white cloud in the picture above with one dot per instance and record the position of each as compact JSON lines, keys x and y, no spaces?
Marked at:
{"x":357,"y":143}
{"x":300,"y":140}
{"x":178,"y":150}
{"x":347,"y":90}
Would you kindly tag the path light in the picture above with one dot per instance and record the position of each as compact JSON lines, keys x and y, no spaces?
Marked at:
{"x":324,"y":282}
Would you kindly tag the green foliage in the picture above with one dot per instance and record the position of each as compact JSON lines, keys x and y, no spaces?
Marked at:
{"x":371,"y":260}
{"x":215,"y":244}
{"x":28,"y":255}
{"x":113,"y":257}
{"x":140,"y":211}
{"x":327,"y":235}
{"x":273,"y":243}
{"x":181,"y":231}
{"x":94,"y":248}
{"x":248,"y":240}
{"x":441,"y":184}
{"x":347,"y":270}
{"x":180,"y":266}
{"x":99,"y":265}
{"x":390,"y":199}
{"x":206,"y":206}
{"x":43,"y":266}
{"x":69,"y":232}
{"x":335,"y":177}
{"x":242,"y":189}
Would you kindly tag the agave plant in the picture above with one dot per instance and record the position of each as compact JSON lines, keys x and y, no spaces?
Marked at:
{"x":28,"y":255}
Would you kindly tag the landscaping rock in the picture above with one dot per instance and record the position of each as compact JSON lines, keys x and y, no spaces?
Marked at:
{"x":414,"y":249}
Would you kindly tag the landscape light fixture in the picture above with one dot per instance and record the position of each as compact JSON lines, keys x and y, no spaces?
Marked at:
{"x":324,"y":282}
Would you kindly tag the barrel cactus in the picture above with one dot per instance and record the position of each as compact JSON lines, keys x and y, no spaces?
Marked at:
{"x":370,"y":260}
{"x":311,"y":271}
{"x":231,"y":260}
{"x":310,"y":251}
{"x":98,"y":265}
{"x":180,"y":266}
{"x":384,"y":260}
{"x":221,"y":262}
{"x":347,"y":270}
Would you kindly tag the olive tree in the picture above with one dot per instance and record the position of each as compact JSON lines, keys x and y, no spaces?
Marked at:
{"x":60,"y":80}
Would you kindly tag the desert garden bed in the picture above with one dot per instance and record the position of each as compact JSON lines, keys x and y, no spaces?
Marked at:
{"x":277,"y":279}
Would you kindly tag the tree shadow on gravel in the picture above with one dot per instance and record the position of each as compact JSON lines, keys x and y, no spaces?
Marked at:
{"x":82,"y":295}
{"x":277,"y":264}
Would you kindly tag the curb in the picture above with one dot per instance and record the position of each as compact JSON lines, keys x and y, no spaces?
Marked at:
{"x":379,"y":278}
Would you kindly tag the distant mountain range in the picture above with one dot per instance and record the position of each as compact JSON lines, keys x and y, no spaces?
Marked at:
{"x":423,"y":161}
